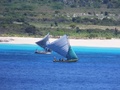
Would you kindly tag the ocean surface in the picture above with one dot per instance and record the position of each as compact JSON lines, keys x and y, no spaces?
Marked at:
{"x":22,"y":69}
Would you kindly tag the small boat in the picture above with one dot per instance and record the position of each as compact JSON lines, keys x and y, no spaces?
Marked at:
{"x":42,"y":52}
{"x":42,"y":43}
{"x":62,"y":47}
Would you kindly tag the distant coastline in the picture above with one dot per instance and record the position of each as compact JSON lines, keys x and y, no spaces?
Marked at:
{"x":73,"y":42}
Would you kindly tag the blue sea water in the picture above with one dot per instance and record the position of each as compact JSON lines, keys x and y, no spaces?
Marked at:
{"x":22,"y":69}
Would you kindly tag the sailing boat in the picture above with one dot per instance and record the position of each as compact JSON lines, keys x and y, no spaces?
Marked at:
{"x":62,"y":47}
{"x":42,"y":43}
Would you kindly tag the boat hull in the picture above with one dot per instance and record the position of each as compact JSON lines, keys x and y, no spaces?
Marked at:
{"x":72,"y":60}
{"x":42,"y":52}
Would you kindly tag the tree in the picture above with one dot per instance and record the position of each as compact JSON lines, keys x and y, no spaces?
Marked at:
{"x":116,"y":31}
{"x":105,"y":1}
{"x":57,"y":12}
{"x":106,"y":13}
{"x":51,"y":25}
{"x":77,"y":30}
{"x":30,"y":30}
{"x":72,"y":25}
{"x":56,"y":24}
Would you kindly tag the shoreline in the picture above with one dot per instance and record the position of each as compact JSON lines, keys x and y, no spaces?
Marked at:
{"x":73,"y":42}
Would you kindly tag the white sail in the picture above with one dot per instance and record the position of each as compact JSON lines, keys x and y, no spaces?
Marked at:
{"x":62,"y":47}
{"x":42,"y":43}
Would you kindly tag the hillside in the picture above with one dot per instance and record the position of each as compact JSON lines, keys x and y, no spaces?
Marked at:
{"x":37,"y":17}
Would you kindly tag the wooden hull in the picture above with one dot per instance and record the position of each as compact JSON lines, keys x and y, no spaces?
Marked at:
{"x":42,"y":52}
{"x":72,"y":60}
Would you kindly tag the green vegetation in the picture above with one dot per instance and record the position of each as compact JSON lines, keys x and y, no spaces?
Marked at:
{"x":76,"y":18}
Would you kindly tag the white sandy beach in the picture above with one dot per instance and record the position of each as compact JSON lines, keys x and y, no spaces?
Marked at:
{"x":73,"y":42}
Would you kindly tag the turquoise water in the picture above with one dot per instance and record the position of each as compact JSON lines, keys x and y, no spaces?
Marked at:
{"x":22,"y":69}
